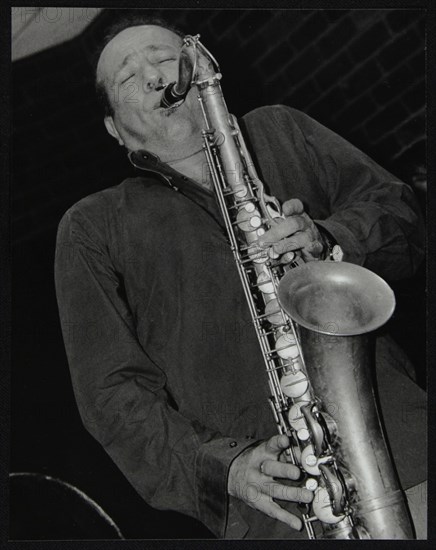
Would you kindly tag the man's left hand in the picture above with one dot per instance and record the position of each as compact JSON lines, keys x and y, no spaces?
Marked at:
{"x":295,"y":232}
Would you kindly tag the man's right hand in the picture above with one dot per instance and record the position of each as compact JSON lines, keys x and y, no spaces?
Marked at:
{"x":253,"y":478}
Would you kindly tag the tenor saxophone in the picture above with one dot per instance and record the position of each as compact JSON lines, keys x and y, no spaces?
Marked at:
{"x":313,"y":323}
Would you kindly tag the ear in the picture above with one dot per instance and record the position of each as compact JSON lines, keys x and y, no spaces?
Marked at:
{"x":110,"y":127}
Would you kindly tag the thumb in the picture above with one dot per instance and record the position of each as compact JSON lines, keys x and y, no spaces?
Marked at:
{"x":292,"y":206}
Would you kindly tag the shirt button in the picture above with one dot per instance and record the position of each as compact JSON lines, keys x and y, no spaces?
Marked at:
{"x":184,"y":178}
{"x":233,"y":444}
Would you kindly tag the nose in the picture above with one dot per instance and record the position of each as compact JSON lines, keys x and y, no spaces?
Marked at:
{"x":153,"y":80}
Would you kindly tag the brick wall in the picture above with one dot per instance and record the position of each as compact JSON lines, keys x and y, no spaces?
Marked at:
{"x":359,"y":72}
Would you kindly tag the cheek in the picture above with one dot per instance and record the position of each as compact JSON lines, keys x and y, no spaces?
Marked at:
{"x":170,"y":71}
{"x":134,"y":107}
{"x":191,"y":100}
{"x":194,"y":107}
{"x":134,"y":119}
{"x":128,"y":95}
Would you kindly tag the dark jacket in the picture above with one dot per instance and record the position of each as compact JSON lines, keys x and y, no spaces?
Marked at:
{"x":164,"y":361}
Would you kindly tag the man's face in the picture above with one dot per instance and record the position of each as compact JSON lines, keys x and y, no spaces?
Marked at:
{"x":133,"y":67}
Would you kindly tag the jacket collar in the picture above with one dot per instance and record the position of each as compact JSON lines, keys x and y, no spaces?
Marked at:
{"x":149,"y":162}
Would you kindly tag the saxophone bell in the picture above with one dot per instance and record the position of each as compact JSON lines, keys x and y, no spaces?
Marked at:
{"x":336,"y":298}
{"x":336,"y":305}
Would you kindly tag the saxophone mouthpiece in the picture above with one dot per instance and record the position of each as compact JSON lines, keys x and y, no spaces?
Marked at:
{"x":171,"y":97}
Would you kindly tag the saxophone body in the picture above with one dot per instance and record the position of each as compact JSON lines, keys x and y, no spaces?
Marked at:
{"x":312,"y":322}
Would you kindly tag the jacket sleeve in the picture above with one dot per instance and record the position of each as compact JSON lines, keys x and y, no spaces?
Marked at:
{"x":373,"y":215}
{"x":173,"y":463}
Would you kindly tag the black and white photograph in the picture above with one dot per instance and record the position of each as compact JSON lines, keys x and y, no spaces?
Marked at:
{"x":218,"y":273}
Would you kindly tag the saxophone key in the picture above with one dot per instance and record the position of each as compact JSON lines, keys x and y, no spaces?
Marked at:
{"x":319,"y":436}
{"x":248,"y":218}
{"x":322,"y":507}
{"x":309,"y":461}
{"x":311,"y":484}
{"x":296,"y":417}
{"x":264,"y":283}
{"x":286,"y":346}
{"x":260,"y":231}
{"x":294,"y":385}
{"x":335,"y":486}
{"x":288,"y":257}
{"x":273,"y":313}
{"x":303,"y":434}
{"x":255,"y":222}
{"x":239,"y":191}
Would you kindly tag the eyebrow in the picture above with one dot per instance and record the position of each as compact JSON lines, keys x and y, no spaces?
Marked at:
{"x":130,"y":56}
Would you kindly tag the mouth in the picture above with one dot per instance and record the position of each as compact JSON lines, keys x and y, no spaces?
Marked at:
{"x":167,"y":110}
{"x":159,"y":102}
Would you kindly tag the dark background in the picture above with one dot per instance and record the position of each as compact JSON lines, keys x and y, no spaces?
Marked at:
{"x":359,"y":72}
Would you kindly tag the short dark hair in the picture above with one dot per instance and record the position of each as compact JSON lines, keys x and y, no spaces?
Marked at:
{"x":131,"y":19}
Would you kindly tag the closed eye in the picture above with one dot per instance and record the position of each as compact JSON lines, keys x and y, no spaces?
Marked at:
{"x":126,"y":79}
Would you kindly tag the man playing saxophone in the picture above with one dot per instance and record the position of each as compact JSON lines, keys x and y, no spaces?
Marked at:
{"x":165,"y":366}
